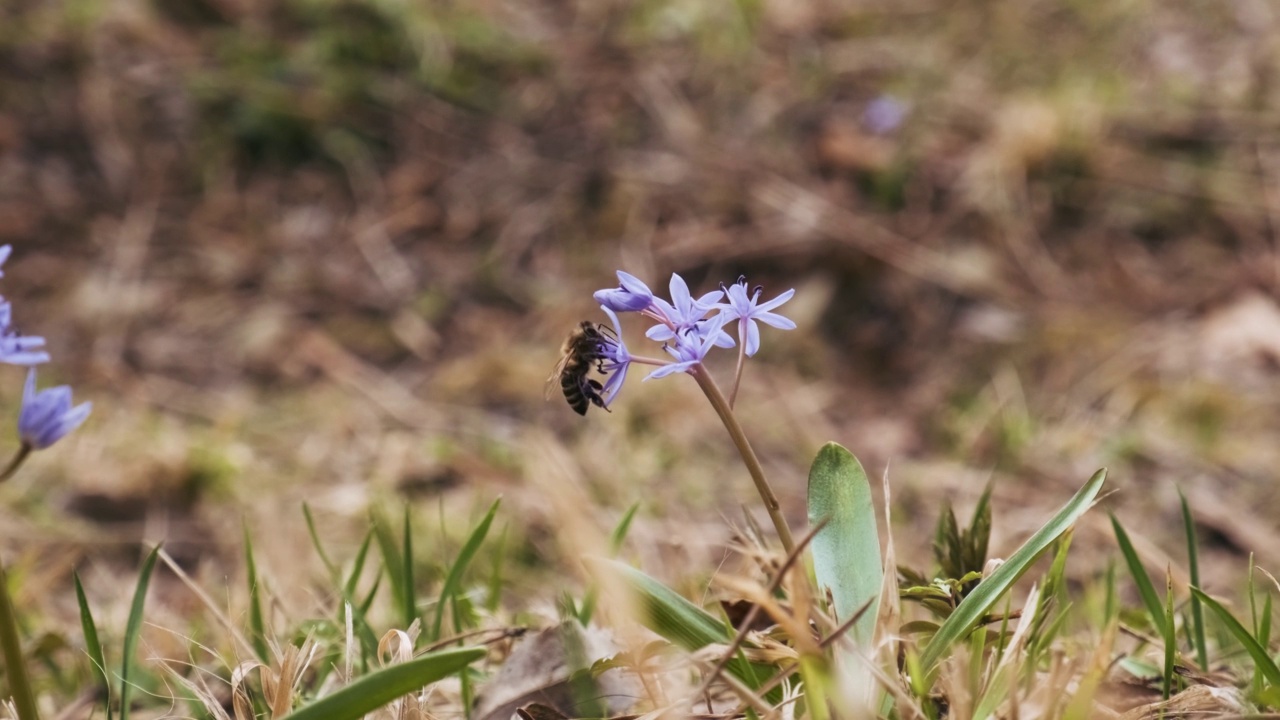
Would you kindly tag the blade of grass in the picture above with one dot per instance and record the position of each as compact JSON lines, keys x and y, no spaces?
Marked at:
{"x":1264,"y":626}
{"x":1146,"y":589}
{"x":14,"y":663}
{"x":665,"y":612}
{"x":257,"y":627}
{"x":315,"y":541}
{"x":379,"y":688}
{"x":1262,"y":660}
{"x":368,"y":640}
{"x":454,"y":579}
{"x":410,"y":600}
{"x":393,"y":566}
{"x":1170,"y":637}
{"x":133,"y":627}
{"x":357,"y":566}
{"x":619,"y":536}
{"x":1193,"y":563}
{"x":494,"y":595}
{"x":989,"y":591}
{"x":91,"y":643}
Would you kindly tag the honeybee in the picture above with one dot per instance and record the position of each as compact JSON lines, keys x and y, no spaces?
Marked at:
{"x":579,"y":351}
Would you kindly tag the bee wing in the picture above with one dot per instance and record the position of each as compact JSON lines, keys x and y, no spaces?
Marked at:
{"x":553,"y":380}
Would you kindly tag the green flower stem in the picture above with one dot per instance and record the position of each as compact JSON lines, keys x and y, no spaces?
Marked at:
{"x":16,"y":462}
{"x":712,"y":391}
{"x":14,"y":664}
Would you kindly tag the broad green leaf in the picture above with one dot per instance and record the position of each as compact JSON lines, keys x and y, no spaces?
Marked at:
{"x":454,"y":578}
{"x":1262,"y":660}
{"x":133,"y":627}
{"x":846,"y":551}
{"x":379,"y":688}
{"x":990,"y":590}
{"x":1146,"y":589}
{"x":91,"y":643}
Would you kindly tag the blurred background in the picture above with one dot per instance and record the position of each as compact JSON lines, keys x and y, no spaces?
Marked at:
{"x":326,"y":251}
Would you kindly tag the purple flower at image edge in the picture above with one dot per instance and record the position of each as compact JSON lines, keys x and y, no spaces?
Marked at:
{"x":615,"y":360}
{"x":16,"y":349}
{"x":744,"y":308}
{"x":631,"y":295}
{"x":47,"y":416}
{"x":5,"y":252}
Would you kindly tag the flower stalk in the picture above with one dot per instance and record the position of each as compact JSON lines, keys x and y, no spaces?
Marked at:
{"x":16,"y":462}
{"x":11,"y":648}
{"x":771,"y":505}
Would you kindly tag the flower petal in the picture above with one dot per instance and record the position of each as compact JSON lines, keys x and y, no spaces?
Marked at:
{"x":753,"y":338}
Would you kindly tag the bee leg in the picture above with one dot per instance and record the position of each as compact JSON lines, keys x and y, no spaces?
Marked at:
{"x":592,"y":391}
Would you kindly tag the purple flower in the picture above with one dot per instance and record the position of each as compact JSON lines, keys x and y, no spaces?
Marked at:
{"x":615,"y":360}
{"x":690,"y":346}
{"x":631,"y":295}
{"x":884,"y":114}
{"x":744,"y":309}
{"x":684,"y":313}
{"x":17,"y":349}
{"x":5,"y":252}
{"x":47,"y":416}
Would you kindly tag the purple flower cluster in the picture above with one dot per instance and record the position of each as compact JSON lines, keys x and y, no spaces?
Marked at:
{"x":46,"y":416}
{"x":687,"y":327}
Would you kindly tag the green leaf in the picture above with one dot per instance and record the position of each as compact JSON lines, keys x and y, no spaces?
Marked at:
{"x":368,"y":640}
{"x":1193,"y":563}
{"x":257,"y":627}
{"x":379,"y":688}
{"x":846,"y":551}
{"x":315,"y":540}
{"x":91,"y":643}
{"x":665,"y":612}
{"x":133,"y":627}
{"x":15,"y":665}
{"x":1146,"y":589}
{"x":393,"y":564}
{"x":410,"y":600}
{"x":1170,"y":638}
{"x":616,"y":539}
{"x":1262,"y":660}
{"x":988,"y":592}
{"x":454,"y":579}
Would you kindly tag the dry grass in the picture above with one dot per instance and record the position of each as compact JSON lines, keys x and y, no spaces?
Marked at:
{"x":326,"y":252}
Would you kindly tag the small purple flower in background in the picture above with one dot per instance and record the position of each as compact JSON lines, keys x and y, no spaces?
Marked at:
{"x":5,"y":252}
{"x":631,"y":295}
{"x":745,"y":310}
{"x":884,"y":114}
{"x":47,"y":415}
{"x":16,"y":349}
{"x":690,"y":347}
{"x":615,"y":360}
